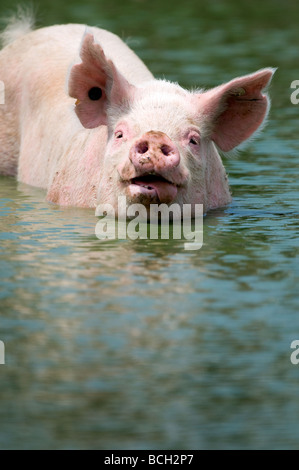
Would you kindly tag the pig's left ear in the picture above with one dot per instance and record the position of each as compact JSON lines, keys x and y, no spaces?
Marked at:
{"x":96,"y":84}
{"x":232,"y":112}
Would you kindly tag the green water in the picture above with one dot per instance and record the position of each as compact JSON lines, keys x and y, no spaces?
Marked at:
{"x":142,"y":344}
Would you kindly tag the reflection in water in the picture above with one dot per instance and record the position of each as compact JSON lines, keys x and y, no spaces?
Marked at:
{"x":142,"y":344}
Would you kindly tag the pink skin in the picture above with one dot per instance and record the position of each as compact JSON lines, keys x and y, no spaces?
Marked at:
{"x":155,"y":159}
{"x":153,"y":173}
{"x":160,"y":147}
{"x":147,"y":139}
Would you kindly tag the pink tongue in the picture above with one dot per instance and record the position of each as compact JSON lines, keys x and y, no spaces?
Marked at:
{"x":166,"y":191}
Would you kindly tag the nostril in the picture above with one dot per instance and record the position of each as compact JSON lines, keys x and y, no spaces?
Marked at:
{"x":166,"y":150}
{"x":142,"y":147}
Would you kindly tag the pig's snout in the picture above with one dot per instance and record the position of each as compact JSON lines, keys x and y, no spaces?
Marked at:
{"x":154,"y":151}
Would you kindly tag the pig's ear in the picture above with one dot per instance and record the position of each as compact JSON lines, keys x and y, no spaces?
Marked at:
{"x":234,"y":111}
{"x":96,"y":84}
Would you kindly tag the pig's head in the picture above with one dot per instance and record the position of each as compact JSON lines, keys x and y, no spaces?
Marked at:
{"x":162,"y":140}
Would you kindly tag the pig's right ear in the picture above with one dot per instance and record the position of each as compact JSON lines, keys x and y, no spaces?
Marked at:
{"x":96,"y":84}
{"x":232,"y":112}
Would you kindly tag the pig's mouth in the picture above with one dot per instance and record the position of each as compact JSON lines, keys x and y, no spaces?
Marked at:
{"x":152,"y":187}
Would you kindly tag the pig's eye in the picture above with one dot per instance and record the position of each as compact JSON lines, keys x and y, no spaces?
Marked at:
{"x":119,"y":135}
{"x":193,"y":141}
{"x":95,"y":93}
{"x":193,"y":138}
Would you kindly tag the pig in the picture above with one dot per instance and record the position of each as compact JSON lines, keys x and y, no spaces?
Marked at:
{"x":86,"y":120}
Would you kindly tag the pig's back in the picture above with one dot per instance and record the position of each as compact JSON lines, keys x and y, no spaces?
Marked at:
{"x":60,"y":45}
{"x":34,"y":69}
